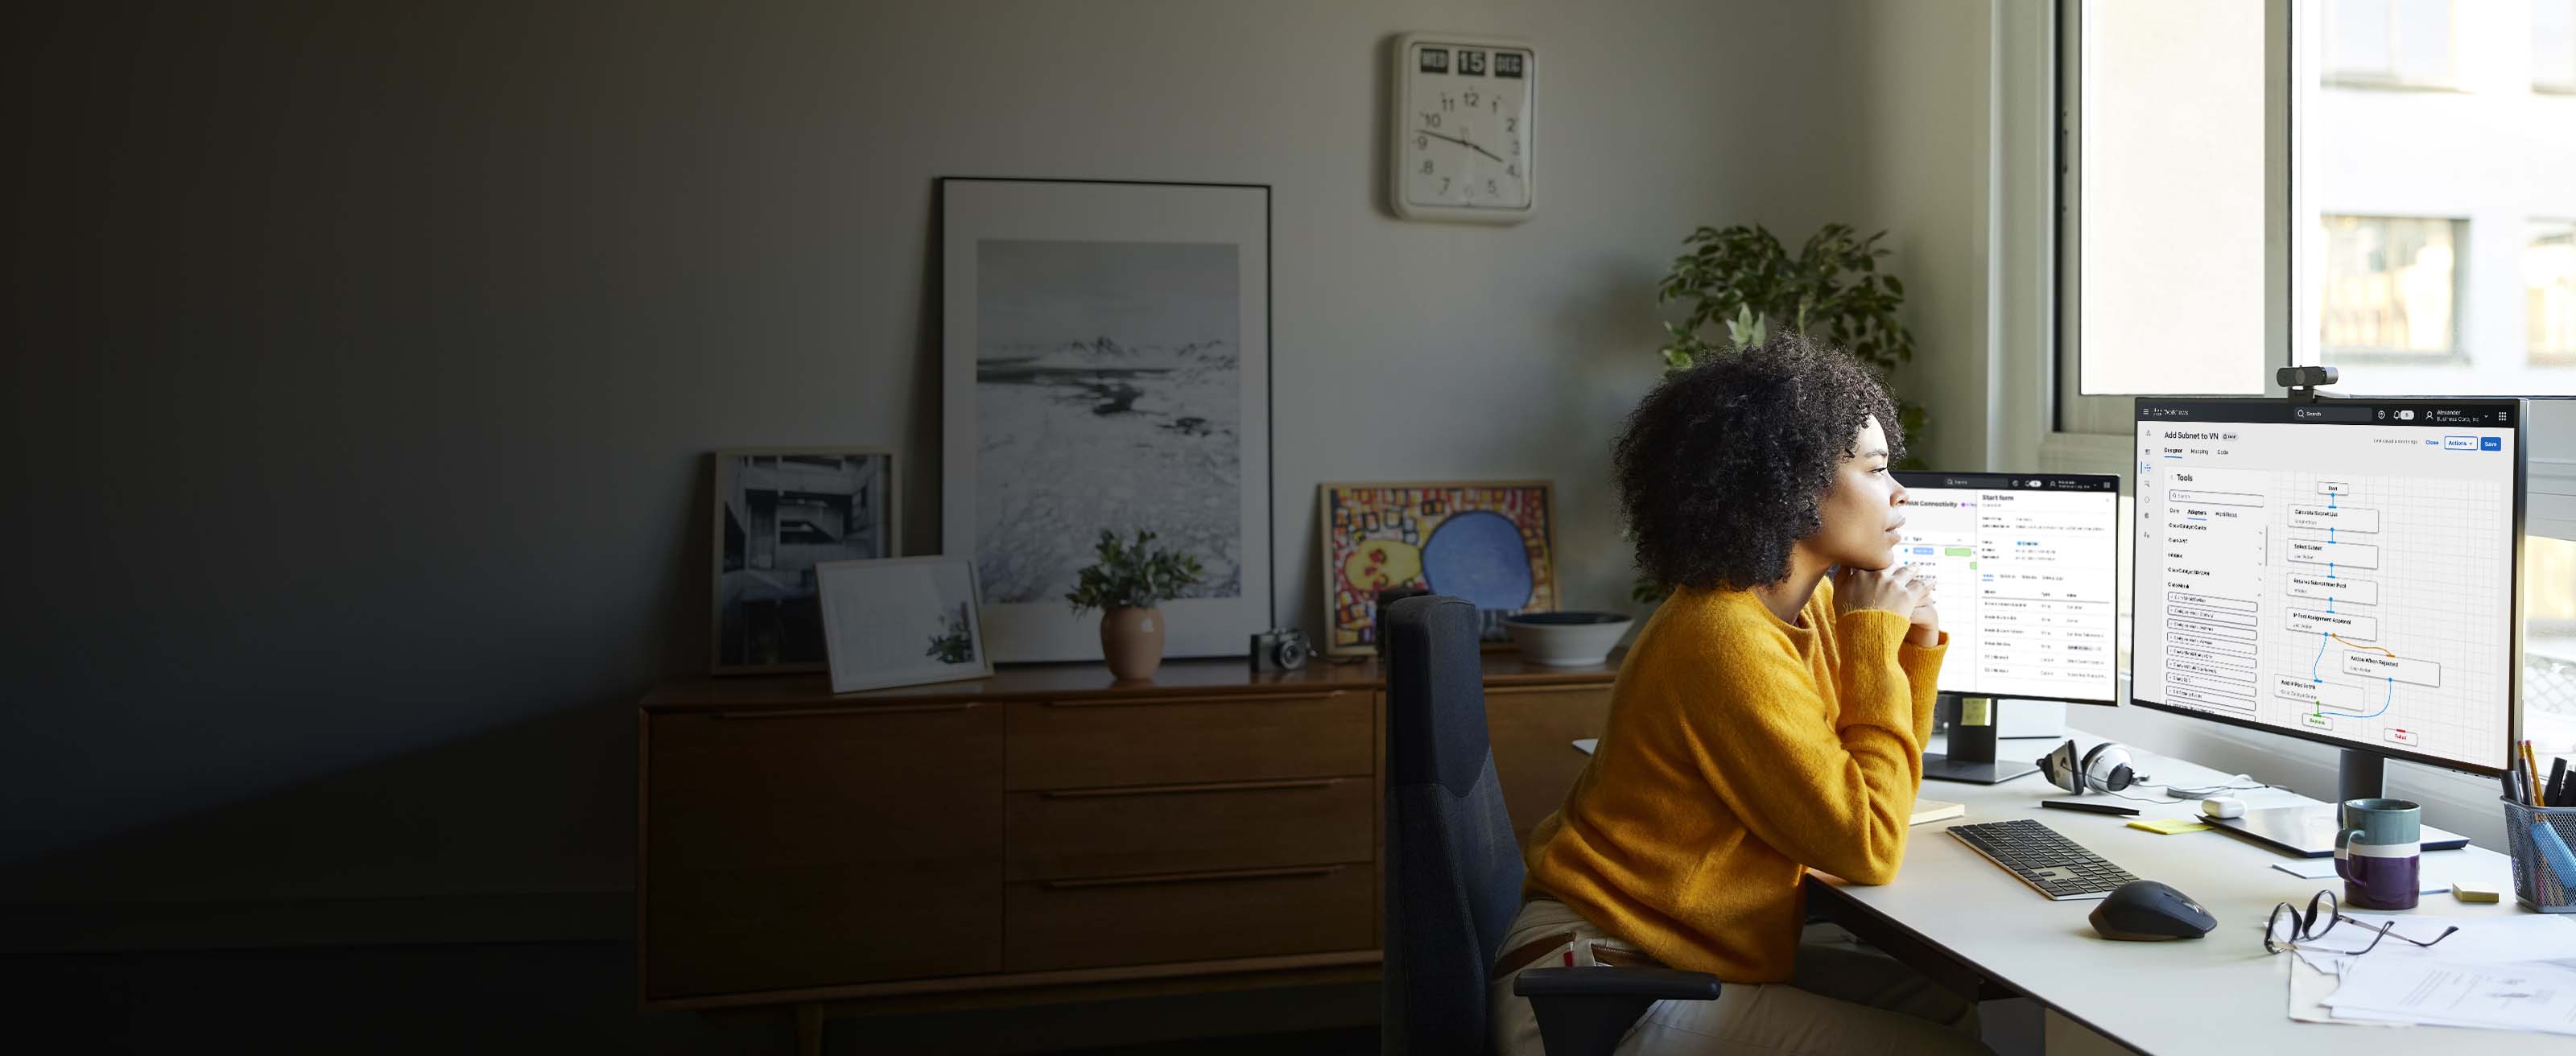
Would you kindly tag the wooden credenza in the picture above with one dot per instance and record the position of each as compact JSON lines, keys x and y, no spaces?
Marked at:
{"x":1040,"y":835}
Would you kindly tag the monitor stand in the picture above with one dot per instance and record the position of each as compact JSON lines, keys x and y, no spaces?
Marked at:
{"x":2309,"y":831}
{"x":1971,"y":758}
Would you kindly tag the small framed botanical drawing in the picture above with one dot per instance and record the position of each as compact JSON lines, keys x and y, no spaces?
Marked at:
{"x":1490,"y":542}
{"x":902,"y":621}
{"x":779,"y":512}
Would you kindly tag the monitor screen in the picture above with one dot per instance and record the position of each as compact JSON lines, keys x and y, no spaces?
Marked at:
{"x":2341,"y":572}
{"x":2028,"y":570}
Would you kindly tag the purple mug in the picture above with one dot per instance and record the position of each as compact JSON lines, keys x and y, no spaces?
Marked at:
{"x":2379,"y":852}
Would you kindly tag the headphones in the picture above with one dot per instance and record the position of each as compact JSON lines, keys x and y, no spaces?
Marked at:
{"x":2104,"y":769}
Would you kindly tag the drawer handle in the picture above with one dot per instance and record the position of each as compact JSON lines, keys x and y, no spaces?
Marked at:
{"x":1240,"y":698}
{"x":878,"y":709}
{"x":1184,"y":878}
{"x":1225,"y":786}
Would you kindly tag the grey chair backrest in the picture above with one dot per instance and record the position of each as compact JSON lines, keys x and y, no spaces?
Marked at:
{"x":1453,"y":868}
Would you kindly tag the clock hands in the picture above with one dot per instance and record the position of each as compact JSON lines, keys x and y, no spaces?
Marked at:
{"x":1460,"y":142}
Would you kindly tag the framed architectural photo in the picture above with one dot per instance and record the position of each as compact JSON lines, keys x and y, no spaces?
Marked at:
{"x":1107,"y":353}
{"x":901,"y":622}
{"x":779,"y":512}
{"x":1490,"y":542}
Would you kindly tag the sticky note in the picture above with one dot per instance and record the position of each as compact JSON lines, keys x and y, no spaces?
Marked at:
{"x":2475,"y":893}
{"x":2169,"y":826}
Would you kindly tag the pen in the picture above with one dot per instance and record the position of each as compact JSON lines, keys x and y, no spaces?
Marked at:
{"x":2532,"y":760}
{"x":2555,"y":795}
{"x":2530,"y":772}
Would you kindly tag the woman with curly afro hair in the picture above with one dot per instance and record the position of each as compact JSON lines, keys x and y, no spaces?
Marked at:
{"x":1770,"y":718}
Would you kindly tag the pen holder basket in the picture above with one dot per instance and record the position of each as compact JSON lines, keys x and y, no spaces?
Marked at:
{"x":2544,"y":869}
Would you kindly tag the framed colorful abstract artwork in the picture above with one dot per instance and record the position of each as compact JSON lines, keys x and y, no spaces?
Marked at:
{"x":1492,"y":543}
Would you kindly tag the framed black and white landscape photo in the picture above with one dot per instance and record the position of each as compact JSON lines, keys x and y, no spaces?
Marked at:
{"x":901,"y":622}
{"x":779,"y":512}
{"x":1107,"y":366}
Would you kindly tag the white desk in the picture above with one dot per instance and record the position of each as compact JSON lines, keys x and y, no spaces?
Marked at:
{"x":1950,"y":909}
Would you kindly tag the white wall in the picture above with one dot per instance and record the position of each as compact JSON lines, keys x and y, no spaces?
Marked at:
{"x":1923,"y":71}
{"x":424,"y":317}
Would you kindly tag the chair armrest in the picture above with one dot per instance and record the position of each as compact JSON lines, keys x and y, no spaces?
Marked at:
{"x":1652,"y":984}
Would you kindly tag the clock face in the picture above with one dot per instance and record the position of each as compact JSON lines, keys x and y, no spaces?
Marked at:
{"x":1466,"y":132}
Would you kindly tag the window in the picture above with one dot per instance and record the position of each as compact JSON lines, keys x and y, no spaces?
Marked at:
{"x":2406,"y":247}
{"x":2420,"y":269}
{"x":2169,"y":252}
{"x":2391,"y":286}
{"x":2553,"y":45}
{"x":2388,"y":43}
{"x":2549,"y":292}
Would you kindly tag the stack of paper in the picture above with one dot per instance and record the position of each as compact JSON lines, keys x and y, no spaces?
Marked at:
{"x":2508,"y":973}
{"x":2531,"y":996}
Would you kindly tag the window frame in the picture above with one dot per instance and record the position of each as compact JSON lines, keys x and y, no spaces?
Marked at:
{"x":2079,"y":422}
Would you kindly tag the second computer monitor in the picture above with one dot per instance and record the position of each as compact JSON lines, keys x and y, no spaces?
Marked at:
{"x":2339,"y":572}
{"x":2028,"y":569}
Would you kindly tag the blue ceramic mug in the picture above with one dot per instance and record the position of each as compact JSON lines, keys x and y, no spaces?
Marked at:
{"x":2379,"y":852}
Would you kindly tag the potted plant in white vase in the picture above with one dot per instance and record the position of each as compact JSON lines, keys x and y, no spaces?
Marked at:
{"x":1127,"y":584}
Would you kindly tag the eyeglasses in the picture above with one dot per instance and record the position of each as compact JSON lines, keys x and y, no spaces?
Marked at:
{"x":2289,"y":929}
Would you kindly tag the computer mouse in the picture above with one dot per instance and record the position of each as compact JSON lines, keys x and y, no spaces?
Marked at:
{"x":2147,"y":911}
{"x":2223,"y":807}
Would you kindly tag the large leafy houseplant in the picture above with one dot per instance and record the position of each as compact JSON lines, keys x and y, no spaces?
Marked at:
{"x":1743,"y":282}
{"x":1743,"y":286}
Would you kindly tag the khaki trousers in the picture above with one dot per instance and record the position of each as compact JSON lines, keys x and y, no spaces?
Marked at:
{"x":1845,"y":998}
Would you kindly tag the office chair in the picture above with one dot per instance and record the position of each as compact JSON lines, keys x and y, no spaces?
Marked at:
{"x":1453,"y":870}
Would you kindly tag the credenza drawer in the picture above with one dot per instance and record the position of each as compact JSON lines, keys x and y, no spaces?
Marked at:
{"x":1058,"y":924}
{"x":1096,"y":744}
{"x":1191,"y":828}
{"x":787,"y":849}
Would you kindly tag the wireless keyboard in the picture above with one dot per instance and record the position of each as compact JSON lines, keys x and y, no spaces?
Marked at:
{"x":2052,"y":864}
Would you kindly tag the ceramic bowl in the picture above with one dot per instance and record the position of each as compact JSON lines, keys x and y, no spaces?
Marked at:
{"x":1575,"y":638}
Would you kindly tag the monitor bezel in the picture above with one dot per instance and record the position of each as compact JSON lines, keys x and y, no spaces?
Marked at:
{"x":2513,"y":615}
{"x":2111,"y":699}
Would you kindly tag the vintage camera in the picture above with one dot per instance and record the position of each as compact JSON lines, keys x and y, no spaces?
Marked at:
{"x":1280,"y":649}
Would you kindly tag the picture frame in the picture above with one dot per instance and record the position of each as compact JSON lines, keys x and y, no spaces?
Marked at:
{"x":1490,"y":542}
{"x":1106,"y":366}
{"x":777,"y":513}
{"x":877,"y":616}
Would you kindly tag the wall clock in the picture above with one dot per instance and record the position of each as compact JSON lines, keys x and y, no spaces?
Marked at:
{"x":1464,"y":142}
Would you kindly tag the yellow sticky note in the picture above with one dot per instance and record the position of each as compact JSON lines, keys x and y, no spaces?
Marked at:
{"x":2466,"y":892}
{"x":2169,"y":826}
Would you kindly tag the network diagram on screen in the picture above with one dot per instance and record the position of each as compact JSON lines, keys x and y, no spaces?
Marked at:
{"x":2346,"y":572}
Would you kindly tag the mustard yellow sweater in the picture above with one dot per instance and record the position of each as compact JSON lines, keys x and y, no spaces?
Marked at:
{"x":1740,"y":751}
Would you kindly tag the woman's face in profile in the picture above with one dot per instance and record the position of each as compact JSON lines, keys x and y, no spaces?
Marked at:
{"x":1862,"y":511}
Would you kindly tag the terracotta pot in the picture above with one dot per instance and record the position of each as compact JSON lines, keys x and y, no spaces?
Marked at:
{"x":1132,"y":641}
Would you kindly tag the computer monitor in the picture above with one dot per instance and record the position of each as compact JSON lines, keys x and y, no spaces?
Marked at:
{"x":2341,"y":572}
{"x":2028,"y":567}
